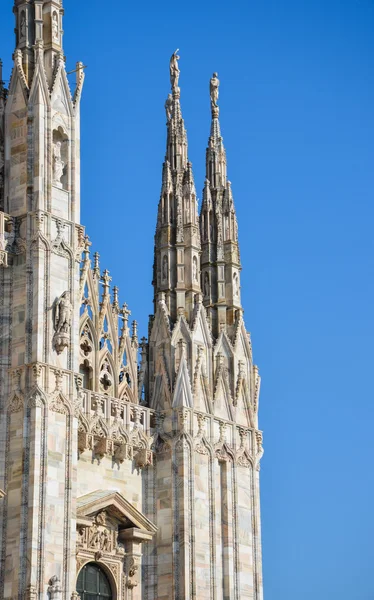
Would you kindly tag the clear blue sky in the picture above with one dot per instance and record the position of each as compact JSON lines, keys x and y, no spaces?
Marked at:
{"x":297,"y":115}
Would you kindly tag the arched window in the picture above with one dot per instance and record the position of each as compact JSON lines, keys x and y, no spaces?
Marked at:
{"x":93,"y":584}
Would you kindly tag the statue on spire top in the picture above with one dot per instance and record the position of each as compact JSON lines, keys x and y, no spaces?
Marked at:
{"x":174,"y":70}
{"x":214,"y":92}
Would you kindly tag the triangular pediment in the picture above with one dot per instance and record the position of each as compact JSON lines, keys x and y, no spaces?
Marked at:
{"x":181,"y":331}
{"x":182,"y":391}
{"x":201,"y":331}
{"x":61,"y":96}
{"x":117,"y":507}
{"x":160,"y":327}
{"x":39,"y":93}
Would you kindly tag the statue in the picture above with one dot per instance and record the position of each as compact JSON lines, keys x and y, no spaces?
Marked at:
{"x":165,"y":267}
{"x":168,"y":107}
{"x":55,"y":26}
{"x":236,"y":284}
{"x":54,"y":589}
{"x":206,"y":284}
{"x":58,"y":164}
{"x":194,"y":268}
{"x":214,"y":91}
{"x":94,"y":536}
{"x":23,"y":25}
{"x":174,"y":70}
{"x":105,"y":541}
{"x":62,"y":322}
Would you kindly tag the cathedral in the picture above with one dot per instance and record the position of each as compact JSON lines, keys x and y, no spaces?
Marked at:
{"x":129,"y":468}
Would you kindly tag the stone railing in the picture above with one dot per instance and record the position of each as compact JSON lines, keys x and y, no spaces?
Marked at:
{"x":122,"y":430}
{"x":118,"y":429}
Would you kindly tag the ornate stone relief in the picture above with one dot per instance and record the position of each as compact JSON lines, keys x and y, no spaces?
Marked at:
{"x":243,"y":457}
{"x":200,"y":445}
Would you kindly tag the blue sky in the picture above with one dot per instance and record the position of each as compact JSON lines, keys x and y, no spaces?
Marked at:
{"x":297,"y":116}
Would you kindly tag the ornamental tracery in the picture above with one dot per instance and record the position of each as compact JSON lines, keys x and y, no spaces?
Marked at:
{"x":108,"y":346}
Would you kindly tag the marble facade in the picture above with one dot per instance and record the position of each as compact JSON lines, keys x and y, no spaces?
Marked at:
{"x":141,"y":456}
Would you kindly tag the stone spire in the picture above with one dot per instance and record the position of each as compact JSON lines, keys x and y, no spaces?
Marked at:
{"x":220,"y":261}
{"x":38,"y":22}
{"x":177,"y":239}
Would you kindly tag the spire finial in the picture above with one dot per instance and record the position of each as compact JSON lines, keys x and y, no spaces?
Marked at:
{"x":174,"y":72}
{"x":214,"y":93}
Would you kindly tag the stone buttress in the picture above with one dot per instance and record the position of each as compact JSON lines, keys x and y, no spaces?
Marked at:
{"x":40,"y":244}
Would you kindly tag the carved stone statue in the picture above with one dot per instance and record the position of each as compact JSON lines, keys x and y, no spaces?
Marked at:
{"x":22,"y":28}
{"x":58,"y":164}
{"x":206,"y":284}
{"x":54,"y":589}
{"x":236,"y":284}
{"x":194,"y":268}
{"x":165,"y":268}
{"x":62,"y":322}
{"x":174,"y":70}
{"x":168,"y":107}
{"x":55,"y":26}
{"x":214,"y":91}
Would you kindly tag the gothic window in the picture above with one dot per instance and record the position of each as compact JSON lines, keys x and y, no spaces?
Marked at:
{"x":86,"y":371}
{"x":106,"y":376}
{"x":93,"y":584}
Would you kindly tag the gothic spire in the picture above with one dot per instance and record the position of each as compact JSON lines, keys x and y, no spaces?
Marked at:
{"x":177,"y":239}
{"x":38,"y":22}
{"x":220,"y":262}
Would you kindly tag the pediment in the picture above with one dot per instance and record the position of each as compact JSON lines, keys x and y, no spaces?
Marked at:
{"x":116,"y":507}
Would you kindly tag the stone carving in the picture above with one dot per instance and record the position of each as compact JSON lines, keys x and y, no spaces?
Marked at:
{"x":31,"y":593}
{"x":174,"y":70}
{"x":54,"y":589}
{"x":15,"y":405}
{"x":194,"y":269}
{"x":55,"y":27}
{"x":22,"y":27}
{"x":214,"y":90}
{"x":57,"y":405}
{"x":143,"y":458}
{"x":165,"y":267}
{"x":206,"y":284}
{"x":132,"y":573}
{"x":58,"y":164}
{"x":99,"y":536}
{"x":200,"y":447}
{"x":236,"y":285}
{"x":169,"y":107}
{"x":62,"y":322}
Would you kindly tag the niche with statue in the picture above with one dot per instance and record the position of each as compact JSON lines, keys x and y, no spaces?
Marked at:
{"x":60,"y":159}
